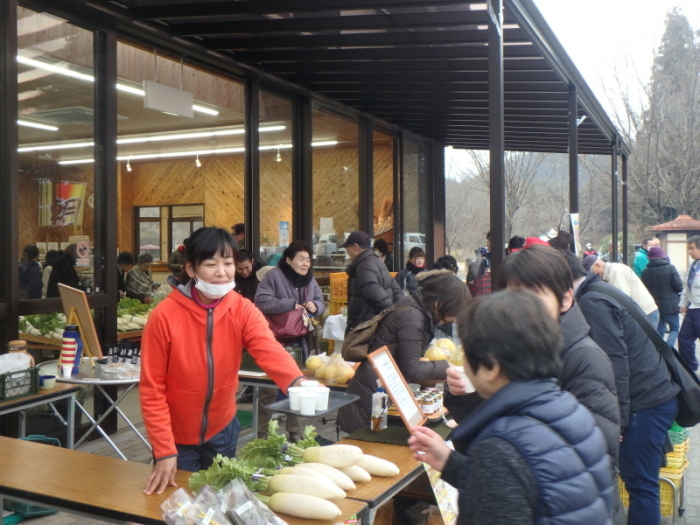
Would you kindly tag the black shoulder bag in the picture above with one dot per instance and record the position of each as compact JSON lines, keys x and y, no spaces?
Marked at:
{"x":682,"y":374}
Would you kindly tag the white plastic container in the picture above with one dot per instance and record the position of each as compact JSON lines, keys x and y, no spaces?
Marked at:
{"x":307,"y":403}
{"x":294,"y":392}
{"x":322,"y":393}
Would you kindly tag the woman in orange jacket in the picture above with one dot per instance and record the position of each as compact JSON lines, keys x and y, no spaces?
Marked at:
{"x":191,"y":352}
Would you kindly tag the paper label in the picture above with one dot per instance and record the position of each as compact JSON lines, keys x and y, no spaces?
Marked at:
{"x":184,"y":508}
{"x":244,"y":508}
{"x":208,"y":516}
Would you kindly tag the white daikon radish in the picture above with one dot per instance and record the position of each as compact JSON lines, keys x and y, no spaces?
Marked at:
{"x":337,"y":477}
{"x":377,"y":466}
{"x":338,"y":456}
{"x":132,"y":326}
{"x":34,"y":331}
{"x":298,"y":484}
{"x":356,"y":473}
{"x":303,"y":506}
{"x":305,"y":472}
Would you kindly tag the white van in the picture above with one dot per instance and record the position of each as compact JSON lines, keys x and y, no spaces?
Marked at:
{"x":411,"y":240}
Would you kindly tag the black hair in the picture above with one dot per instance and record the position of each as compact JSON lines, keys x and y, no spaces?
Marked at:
{"x":416,"y":251}
{"x":488,"y":234}
{"x":646,"y":241}
{"x":243,"y":256}
{"x":185,"y":241}
{"x":126,"y":258}
{"x":538,"y":267}
{"x":51,"y":257}
{"x":31,"y":251}
{"x":446,"y":262}
{"x":294,"y":248}
{"x":563,"y":241}
{"x":513,"y":329}
{"x":204,"y":244}
{"x":382,"y":246}
{"x":238,"y":228}
{"x":575,"y":265}
{"x":516,"y":242}
{"x":145,"y":258}
{"x":695,"y":239}
{"x":443,"y":294}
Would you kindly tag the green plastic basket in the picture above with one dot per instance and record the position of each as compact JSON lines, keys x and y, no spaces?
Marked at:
{"x":26,"y":510}
{"x":16,"y":385}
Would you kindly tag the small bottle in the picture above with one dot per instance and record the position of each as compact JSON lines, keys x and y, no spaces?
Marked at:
{"x":20,"y":346}
{"x":380,"y":402}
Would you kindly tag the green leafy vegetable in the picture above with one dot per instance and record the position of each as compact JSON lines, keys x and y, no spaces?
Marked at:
{"x":309,"y":438}
{"x":225,"y":469}
{"x":45,"y":323}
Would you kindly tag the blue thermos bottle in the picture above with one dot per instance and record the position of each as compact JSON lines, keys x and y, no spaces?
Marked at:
{"x":72,"y":331}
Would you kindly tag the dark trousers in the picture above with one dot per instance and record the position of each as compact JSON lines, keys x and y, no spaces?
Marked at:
{"x":199,"y":457}
{"x":641,"y":457}
{"x":690,"y":332}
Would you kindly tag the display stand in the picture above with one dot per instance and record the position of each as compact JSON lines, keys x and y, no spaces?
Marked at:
{"x":77,"y":312}
{"x":397,"y":388}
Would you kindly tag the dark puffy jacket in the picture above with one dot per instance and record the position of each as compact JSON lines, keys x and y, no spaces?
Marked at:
{"x":407,"y":331}
{"x":664,"y":284}
{"x":641,"y":376}
{"x":30,"y":279}
{"x":370,"y":288}
{"x":247,"y":286}
{"x":558,"y":439}
{"x":63,"y":272}
{"x":407,"y":277}
{"x":588,"y":374}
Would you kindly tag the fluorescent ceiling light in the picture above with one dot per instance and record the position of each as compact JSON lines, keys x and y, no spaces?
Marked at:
{"x":36,"y":125}
{"x":62,"y":70}
{"x":150,"y":138}
{"x":176,"y":154}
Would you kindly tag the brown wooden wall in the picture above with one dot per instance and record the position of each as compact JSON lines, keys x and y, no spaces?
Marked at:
{"x":219,"y":185}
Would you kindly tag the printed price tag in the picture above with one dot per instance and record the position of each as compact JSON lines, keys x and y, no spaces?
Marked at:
{"x":244,"y":508}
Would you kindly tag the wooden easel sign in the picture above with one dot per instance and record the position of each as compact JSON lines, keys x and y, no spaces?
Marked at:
{"x":76,"y":308}
{"x":397,"y":388}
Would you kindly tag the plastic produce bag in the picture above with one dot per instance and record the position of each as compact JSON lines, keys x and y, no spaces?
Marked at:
{"x":244,"y":508}
{"x":14,"y":362}
{"x":338,"y":370}
{"x":206,"y":509}
{"x":176,"y":506}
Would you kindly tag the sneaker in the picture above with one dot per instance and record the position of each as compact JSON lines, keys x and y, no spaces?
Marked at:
{"x":294,"y":437}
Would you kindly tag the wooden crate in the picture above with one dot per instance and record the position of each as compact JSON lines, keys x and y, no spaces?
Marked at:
{"x":339,"y":286}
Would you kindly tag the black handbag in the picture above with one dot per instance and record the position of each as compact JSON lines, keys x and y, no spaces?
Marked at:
{"x":682,"y":374}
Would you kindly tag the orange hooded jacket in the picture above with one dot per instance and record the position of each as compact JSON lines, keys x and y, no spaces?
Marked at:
{"x":189,"y":367}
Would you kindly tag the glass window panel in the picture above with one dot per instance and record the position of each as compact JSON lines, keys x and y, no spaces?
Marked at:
{"x":55,"y":124}
{"x":383,"y":185}
{"x":185,"y":163}
{"x":276,"y":161}
{"x":149,"y":212}
{"x":415,"y":195}
{"x":335,"y":186}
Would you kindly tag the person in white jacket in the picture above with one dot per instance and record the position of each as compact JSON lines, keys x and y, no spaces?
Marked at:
{"x":622,"y":277}
{"x":690,"y":306}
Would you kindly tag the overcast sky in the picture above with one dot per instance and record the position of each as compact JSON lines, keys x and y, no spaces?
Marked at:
{"x":602,"y":36}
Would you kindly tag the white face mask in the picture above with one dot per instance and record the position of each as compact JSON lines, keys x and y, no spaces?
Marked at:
{"x":213,"y":291}
{"x":378,"y":253}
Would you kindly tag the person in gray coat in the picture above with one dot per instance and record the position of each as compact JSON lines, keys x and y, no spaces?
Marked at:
{"x":407,"y":331}
{"x":291,"y":285}
{"x":370,"y":286}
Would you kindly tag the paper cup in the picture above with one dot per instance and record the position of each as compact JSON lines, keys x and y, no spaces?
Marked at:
{"x":322,"y":393}
{"x":310,"y":384}
{"x":67,"y":370}
{"x":470,"y":387}
{"x":307,"y":403}
{"x":294,"y":392}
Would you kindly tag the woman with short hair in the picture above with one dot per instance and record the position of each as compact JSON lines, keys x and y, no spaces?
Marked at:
{"x":139,"y":280}
{"x":407,"y":331}
{"x":406,"y":278}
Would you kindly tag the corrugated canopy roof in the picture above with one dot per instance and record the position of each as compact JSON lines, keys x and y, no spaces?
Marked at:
{"x":420,"y":64}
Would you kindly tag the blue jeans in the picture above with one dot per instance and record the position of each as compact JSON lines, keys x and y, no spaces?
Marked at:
{"x":641,"y":457}
{"x":654,"y":318}
{"x":673,"y":323}
{"x":690,"y":331}
{"x":198,"y":457}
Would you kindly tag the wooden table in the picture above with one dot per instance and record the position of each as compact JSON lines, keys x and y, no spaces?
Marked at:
{"x":381,"y":489}
{"x":44,"y":397}
{"x":97,"y":486}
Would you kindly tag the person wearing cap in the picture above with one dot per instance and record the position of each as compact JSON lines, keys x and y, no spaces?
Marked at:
{"x":623,"y":278}
{"x":589,"y":250}
{"x":515,"y":244}
{"x":371,"y":288}
{"x":125,"y":262}
{"x":642,"y":258}
{"x":664,"y":284}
